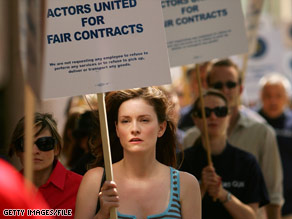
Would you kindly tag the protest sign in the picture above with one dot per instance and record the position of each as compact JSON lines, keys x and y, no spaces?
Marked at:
{"x":94,"y":47}
{"x":200,"y":30}
{"x":253,"y":12}
{"x":268,"y":57}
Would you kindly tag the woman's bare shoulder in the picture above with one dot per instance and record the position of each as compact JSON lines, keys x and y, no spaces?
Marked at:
{"x":93,"y":176}
{"x":188,"y":181}
{"x":190,"y":196}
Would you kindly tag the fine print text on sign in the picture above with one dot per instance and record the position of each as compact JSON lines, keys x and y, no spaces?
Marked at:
{"x":99,"y":63}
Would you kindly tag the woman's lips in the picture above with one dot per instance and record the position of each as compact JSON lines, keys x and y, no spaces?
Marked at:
{"x":135,"y":140}
{"x":212,"y":125}
{"x":37,"y":160}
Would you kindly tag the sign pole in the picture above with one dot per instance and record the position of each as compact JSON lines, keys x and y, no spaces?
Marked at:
{"x":106,"y":145}
{"x":206,"y":137}
{"x":29,"y":107}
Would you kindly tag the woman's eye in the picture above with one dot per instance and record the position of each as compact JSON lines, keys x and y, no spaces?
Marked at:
{"x":124,"y":121}
{"x":145,"y":120}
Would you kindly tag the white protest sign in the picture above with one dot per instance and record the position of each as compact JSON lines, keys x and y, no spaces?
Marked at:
{"x":269,"y":57}
{"x":253,"y":12}
{"x":94,"y":46}
{"x":200,"y":30}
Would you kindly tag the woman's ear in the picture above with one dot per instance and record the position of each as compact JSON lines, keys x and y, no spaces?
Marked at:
{"x":162,"y":128}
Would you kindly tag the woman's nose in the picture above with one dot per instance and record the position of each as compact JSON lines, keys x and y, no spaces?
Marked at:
{"x":35,"y":149}
{"x":213,"y":115}
{"x":135,"y":129}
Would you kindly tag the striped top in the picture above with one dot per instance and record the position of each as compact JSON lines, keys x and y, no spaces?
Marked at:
{"x":174,"y":209}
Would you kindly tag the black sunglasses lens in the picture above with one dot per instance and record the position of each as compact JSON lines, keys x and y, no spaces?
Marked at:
{"x":45,"y":143}
{"x":208,"y":112}
{"x":230,"y":84}
{"x":218,"y":85}
{"x":221,"y":111}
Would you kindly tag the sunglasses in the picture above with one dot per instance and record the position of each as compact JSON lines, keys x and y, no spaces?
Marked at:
{"x":220,"y":85}
{"x":219,"y":111}
{"x":43,"y":144}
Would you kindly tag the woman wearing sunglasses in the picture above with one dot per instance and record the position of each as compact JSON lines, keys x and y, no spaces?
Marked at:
{"x":232,"y":186}
{"x":57,"y":185}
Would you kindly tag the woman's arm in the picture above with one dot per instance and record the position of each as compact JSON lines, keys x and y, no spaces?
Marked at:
{"x":190,"y":196}
{"x":88,"y":195}
{"x":236,"y":208}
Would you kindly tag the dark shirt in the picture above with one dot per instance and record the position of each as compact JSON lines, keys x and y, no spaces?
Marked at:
{"x":283,"y":128}
{"x":240,"y":173}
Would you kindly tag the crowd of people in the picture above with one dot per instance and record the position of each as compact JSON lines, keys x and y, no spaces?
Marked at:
{"x":214,"y":158}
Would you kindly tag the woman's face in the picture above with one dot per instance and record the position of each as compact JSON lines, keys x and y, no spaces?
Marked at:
{"x":137,"y":126}
{"x":41,"y":159}
{"x":216,"y":125}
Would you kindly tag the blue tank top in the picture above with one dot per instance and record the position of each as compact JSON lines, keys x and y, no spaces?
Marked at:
{"x":174,"y":209}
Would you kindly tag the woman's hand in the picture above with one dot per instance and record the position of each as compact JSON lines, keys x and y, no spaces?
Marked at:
{"x":209,"y":177}
{"x":108,"y":198}
{"x":212,"y":182}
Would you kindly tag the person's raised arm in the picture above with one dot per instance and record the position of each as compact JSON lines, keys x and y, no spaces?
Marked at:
{"x":190,"y":196}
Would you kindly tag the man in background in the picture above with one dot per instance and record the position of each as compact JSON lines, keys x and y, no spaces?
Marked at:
{"x":275,"y":90}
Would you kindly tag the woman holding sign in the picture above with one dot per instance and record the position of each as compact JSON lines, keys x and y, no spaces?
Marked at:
{"x":233,"y":185}
{"x":143,"y":148}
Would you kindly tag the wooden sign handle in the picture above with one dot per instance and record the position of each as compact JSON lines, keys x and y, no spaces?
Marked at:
{"x":106,"y":145}
{"x":29,"y":107}
{"x":206,"y":137}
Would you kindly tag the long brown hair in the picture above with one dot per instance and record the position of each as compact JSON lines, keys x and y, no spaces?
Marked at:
{"x":166,"y":144}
